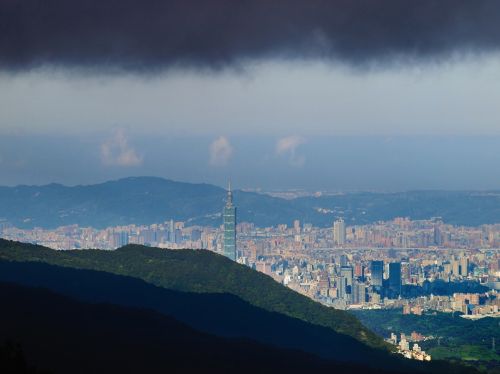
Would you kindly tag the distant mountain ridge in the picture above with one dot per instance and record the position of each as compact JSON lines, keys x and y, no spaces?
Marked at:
{"x":147,"y":200}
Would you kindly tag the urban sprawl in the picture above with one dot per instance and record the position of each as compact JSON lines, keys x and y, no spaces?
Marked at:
{"x":393,"y":264}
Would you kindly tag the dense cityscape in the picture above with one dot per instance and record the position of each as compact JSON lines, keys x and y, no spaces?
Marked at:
{"x":401,"y":263}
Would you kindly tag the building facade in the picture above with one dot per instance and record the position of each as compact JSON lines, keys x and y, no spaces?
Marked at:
{"x":339,"y":233}
{"x":395,"y":278}
{"x":229,"y":218}
{"x":377,"y":273}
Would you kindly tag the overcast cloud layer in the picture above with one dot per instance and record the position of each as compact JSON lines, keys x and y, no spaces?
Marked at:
{"x":150,"y":35}
{"x":264,"y":91}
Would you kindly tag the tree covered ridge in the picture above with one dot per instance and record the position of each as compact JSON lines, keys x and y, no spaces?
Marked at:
{"x":109,"y":338}
{"x":197,"y":271}
{"x":147,"y":200}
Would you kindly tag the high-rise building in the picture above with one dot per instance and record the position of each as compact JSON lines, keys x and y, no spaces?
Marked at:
{"x":395,"y":278}
{"x":296,"y":227}
{"x":171,"y":231}
{"x":358,"y":293}
{"x":339,"y":233}
{"x":341,"y":288}
{"x":346,"y":276}
{"x":344,"y":260}
{"x":377,"y":271}
{"x":178,"y":236}
{"x":229,"y":217}
{"x":347,"y":273}
{"x":405,"y":272}
{"x":464,"y":266}
{"x":195,"y":235}
{"x":438,"y":237}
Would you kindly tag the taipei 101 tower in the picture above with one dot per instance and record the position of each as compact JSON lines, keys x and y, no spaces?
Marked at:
{"x":229,"y":216}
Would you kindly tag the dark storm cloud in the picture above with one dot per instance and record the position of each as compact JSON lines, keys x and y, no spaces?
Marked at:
{"x":157,"y":34}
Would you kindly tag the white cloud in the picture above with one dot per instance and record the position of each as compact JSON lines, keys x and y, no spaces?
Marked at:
{"x":117,"y":152}
{"x":221,"y":151}
{"x":287,"y":146}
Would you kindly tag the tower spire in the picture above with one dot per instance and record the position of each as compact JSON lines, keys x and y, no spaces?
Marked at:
{"x":229,"y":201}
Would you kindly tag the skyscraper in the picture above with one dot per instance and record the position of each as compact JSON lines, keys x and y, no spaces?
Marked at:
{"x":358,"y":293}
{"x":395,"y":278}
{"x":464,"y":266}
{"x":438,"y":237}
{"x":229,"y":217}
{"x":347,"y":273}
{"x":339,"y":232}
{"x":171,"y":232}
{"x":343,"y":260}
{"x":377,"y":270}
{"x":341,"y":288}
{"x":296,"y":226}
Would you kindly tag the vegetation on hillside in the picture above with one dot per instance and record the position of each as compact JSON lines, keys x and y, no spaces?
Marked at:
{"x":68,"y":336}
{"x":196,"y":287}
{"x":452,"y":337}
{"x":198,"y":271}
{"x":147,"y":200}
{"x":219,"y":314}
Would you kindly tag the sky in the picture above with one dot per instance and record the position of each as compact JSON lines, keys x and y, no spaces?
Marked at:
{"x":340,"y":95}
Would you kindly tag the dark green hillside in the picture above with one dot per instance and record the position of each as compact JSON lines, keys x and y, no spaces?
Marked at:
{"x":65,"y":336}
{"x":13,"y":360}
{"x":454,"y":337}
{"x":220,"y":314}
{"x":197,"y":271}
{"x":211,"y":308}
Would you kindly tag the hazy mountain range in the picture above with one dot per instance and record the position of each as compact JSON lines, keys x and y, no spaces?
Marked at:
{"x":147,"y":200}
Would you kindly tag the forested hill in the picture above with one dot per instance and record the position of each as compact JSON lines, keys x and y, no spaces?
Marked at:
{"x":207,"y":292}
{"x":147,"y":200}
{"x":63,"y":335}
{"x":196,"y":271}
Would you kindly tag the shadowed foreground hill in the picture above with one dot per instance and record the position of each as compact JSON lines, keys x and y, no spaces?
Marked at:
{"x":270,"y":313}
{"x":197,"y":271}
{"x":219,"y":314}
{"x":66,"y":336}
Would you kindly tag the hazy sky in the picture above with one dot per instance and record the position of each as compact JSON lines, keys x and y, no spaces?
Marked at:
{"x":300,"y":101}
{"x":278,"y":99}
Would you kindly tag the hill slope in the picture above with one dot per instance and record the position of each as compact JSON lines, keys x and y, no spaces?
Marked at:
{"x":147,"y":200}
{"x":454,"y":337}
{"x":197,"y":271}
{"x":66,"y":336}
{"x":219,"y":314}
{"x":283,"y":318}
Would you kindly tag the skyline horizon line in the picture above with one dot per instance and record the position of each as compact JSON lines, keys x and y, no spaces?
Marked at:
{"x":252,"y":189}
